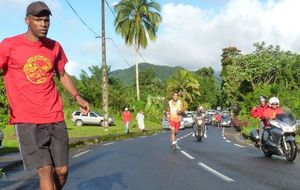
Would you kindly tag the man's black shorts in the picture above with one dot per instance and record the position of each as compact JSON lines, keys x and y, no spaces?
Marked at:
{"x":43,"y":144}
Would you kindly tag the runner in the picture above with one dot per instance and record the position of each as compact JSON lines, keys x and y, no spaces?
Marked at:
{"x":174,"y":114}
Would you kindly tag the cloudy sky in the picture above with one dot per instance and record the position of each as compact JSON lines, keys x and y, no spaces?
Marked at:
{"x":192,"y":34}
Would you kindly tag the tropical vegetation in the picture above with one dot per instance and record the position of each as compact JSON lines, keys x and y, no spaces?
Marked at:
{"x":137,"y":21}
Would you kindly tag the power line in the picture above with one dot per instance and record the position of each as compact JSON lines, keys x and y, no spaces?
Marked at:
{"x":120,"y":52}
{"x":118,"y":49}
{"x":81,"y":19}
{"x":123,"y":30}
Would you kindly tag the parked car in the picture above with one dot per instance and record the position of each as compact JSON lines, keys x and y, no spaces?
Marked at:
{"x":92,"y":118}
{"x":188,"y":119}
{"x":165,"y":124}
{"x":226,"y":121}
{"x":1,"y":139}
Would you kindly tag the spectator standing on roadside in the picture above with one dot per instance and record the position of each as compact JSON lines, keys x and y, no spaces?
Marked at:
{"x":140,"y":121}
{"x":29,"y":62}
{"x":126,"y":117}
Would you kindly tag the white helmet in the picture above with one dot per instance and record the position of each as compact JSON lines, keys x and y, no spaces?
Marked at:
{"x":274,"y":100}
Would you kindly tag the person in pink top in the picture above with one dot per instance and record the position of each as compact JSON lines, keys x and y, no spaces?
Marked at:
{"x":29,"y":62}
{"x":126,"y":117}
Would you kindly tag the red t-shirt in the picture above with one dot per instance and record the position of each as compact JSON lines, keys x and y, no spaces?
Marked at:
{"x":29,"y":68}
{"x":257,"y":112}
{"x":126,"y":116}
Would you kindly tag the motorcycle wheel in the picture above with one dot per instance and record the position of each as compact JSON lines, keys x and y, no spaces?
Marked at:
{"x":199,"y":138}
{"x":291,"y":152}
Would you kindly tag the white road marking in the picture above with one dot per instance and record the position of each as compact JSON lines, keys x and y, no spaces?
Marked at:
{"x":185,"y":136}
{"x":178,"y":147}
{"x":82,"y":153}
{"x":216,"y":173}
{"x":228,"y":141}
{"x":187,"y":155}
{"x":224,"y":137}
{"x":108,"y":143}
{"x":239,"y":145}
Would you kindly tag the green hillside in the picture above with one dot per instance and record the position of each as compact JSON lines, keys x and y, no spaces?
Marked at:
{"x":128,"y":75}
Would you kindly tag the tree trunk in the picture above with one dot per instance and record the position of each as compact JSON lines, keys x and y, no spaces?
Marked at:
{"x":137,"y":75}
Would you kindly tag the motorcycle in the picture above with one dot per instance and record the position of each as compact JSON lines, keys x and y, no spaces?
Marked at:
{"x":199,"y":127}
{"x":279,"y":137}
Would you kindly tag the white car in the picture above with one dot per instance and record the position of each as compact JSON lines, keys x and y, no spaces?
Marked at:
{"x":188,"y":120}
{"x":92,"y":118}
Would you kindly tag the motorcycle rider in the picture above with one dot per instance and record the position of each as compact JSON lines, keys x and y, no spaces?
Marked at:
{"x":271,"y":111}
{"x":201,"y":112}
{"x":257,"y":112}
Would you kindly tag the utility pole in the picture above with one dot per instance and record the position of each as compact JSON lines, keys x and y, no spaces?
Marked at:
{"x":104,"y":69}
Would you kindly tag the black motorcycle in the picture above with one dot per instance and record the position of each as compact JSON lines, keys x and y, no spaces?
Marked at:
{"x":199,"y":127}
{"x":279,"y":137}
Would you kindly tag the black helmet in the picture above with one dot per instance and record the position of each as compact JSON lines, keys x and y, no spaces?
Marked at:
{"x":262,"y":98}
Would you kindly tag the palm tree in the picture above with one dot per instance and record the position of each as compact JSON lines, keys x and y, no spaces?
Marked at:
{"x":186,"y":84}
{"x":136,"y":21}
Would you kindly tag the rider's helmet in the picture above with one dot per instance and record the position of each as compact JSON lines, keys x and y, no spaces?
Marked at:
{"x":262,"y":98}
{"x":274,"y":100}
{"x":200,"y":109}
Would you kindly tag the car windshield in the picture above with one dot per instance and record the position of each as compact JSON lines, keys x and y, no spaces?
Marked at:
{"x":225,"y":117}
{"x":98,"y":114}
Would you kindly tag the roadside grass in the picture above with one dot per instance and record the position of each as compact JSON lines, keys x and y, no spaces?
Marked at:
{"x":86,"y":134}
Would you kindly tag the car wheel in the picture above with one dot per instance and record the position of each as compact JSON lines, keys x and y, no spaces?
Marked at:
{"x":78,"y":123}
{"x":102,"y":123}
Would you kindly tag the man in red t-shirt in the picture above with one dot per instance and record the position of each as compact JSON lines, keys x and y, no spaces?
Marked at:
{"x":29,"y":62}
{"x":126,"y":117}
{"x":257,"y":112}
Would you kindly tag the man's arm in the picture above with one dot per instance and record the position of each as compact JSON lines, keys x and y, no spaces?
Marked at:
{"x":66,"y":81}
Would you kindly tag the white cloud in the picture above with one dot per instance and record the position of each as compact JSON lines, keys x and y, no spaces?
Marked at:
{"x":192,"y":37}
{"x":21,"y":5}
{"x":73,"y":68}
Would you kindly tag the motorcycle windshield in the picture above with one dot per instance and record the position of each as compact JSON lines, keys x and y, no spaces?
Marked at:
{"x":286,"y":117}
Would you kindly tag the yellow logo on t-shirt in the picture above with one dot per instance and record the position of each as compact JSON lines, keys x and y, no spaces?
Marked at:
{"x":37,"y":69}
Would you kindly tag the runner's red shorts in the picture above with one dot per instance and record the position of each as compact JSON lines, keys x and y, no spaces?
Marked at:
{"x":175,"y":124}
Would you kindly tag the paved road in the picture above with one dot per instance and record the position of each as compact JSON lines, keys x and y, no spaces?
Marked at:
{"x":149,"y":163}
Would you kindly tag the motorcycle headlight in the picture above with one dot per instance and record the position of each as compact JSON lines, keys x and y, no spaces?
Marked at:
{"x":199,"y":122}
{"x":292,"y":129}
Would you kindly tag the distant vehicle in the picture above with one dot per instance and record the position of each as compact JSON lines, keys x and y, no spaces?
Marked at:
{"x":165,"y":124}
{"x":210,"y":117}
{"x":92,"y":118}
{"x":1,"y":139}
{"x":226,"y":113}
{"x":188,"y":119}
{"x":226,"y":121}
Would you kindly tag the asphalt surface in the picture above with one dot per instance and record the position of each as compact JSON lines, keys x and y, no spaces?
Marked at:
{"x":149,"y":163}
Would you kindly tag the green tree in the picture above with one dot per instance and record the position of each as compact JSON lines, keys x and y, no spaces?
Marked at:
{"x":136,"y":21}
{"x":186,"y":83}
{"x":4,"y":107}
{"x":210,"y":89}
